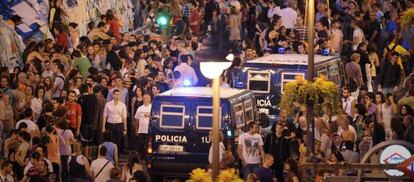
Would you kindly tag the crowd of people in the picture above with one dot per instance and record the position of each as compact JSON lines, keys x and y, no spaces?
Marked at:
{"x":62,"y":112}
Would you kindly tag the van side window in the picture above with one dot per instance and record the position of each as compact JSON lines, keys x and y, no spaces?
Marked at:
{"x":172,"y":116}
{"x":258,"y":81}
{"x":289,"y":77}
{"x":239,"y":113}
{"x":204,"y":118}
{"x":248,"y":109}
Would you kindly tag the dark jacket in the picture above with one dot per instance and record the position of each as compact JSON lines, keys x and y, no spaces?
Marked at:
{"x":409,"y":134}
{"x":390,"y":74}
{"x":277,"y":147}
{"x":112,"y":58}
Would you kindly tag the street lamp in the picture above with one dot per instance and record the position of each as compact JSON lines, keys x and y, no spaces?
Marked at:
{"x":310,"y":104}
{"x":212,"y":64}
{"x":213,"y":70}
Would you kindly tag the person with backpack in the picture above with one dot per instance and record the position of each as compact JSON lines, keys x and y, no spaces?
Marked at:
{"x":101,"y":167}
{"x":78,"y":165}
{"x":59,"y":82}
{"x":354,"y":73}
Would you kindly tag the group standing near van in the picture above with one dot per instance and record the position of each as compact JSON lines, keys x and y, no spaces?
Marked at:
{"x":79,"y":88}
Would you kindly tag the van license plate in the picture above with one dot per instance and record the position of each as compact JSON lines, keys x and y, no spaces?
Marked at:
{"x":171,"y":148}
{"x":264,"y":110}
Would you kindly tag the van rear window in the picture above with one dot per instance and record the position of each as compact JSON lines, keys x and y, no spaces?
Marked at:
{"x":172,"y":116}
{"x":205,"y":117}
{"x":289,"y":77}
{"x":258,"y":81}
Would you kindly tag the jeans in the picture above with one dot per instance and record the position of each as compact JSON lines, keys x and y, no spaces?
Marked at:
{"x":249,"y":168}
{"x":116,"y":131}
{"x":56,"y":171}
{"x":142,"y":141}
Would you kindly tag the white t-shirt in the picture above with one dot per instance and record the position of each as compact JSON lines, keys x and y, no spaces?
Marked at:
{"x":347,"y":105}
{"x":222,"y":149}
{"x":97,"y":165}
{"x":250,"y":145}
{"x":31,"y":126}
{"x":143,"y":121}
{"x":289,"y":16}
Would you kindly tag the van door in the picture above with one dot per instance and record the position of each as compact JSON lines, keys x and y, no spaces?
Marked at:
{"x":171,"y":141}
{"x":202,"y":125}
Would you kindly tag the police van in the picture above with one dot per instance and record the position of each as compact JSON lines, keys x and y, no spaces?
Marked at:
{"x":179,"y":140}
{"x":266,"y":76}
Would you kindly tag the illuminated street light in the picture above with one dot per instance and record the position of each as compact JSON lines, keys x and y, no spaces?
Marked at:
{"x":213,"y":70}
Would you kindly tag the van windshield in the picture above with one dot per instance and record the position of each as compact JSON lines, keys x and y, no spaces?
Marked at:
{"x":259,"y":81}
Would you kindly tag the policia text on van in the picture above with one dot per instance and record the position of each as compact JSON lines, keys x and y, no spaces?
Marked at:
{"x":179,"y":130}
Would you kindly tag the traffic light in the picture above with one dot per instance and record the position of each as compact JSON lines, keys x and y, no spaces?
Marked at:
{"x":163,"y":19}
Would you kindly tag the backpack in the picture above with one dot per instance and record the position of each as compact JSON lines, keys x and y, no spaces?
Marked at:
{"x":388,"y":56}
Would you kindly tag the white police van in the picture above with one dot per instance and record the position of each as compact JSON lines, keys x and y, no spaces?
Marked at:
{"x":179,"y":140}
{"x":266,"y":76}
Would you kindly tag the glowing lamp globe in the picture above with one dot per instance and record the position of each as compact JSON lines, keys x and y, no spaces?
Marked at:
{"x":213,"y":70}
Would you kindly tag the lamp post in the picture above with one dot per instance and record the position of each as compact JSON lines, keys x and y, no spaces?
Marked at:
{"x":213,"y":70}
{"x":310,"y":104}
{"x":211,"y":57}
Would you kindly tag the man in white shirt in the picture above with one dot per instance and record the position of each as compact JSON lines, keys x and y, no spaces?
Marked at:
{"x":348,"y":102}
{"x":142,"y":117}
{"x":187,"y":75}
{"x":101,"y":167}
{"x":32,"y":127}
{"x":250,"y":149}
{"x":289,"y":15}
{"x":114,"y":118}
{"x":388,"y":110}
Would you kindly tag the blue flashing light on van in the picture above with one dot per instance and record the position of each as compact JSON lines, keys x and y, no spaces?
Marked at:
{"x":181,"y":120}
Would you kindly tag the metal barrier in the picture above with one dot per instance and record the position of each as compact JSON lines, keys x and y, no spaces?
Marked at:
{"x":353,"y":166}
